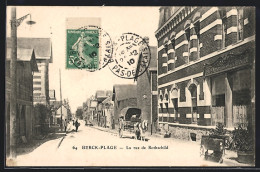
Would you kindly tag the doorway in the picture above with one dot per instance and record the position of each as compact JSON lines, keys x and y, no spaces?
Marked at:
{"x":193,"y":91}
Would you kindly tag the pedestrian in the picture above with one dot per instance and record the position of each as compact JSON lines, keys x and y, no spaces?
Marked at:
{"x":65,"y":125}
{"x":121,"y":126}
{"x":77,"y":124}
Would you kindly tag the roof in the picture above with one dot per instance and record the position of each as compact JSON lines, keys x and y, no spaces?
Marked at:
{"x":56,"y":104}
{"x":63,"y":107}
{"x":122,"y":92}
{"x":42,"y":46}
{"x":25,"y":55}
{"x":108,"y":100}
{"x":101,"y":95}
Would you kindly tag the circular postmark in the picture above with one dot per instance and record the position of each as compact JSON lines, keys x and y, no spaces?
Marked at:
{"x":89,"y":47}
{"x":131,"y":56}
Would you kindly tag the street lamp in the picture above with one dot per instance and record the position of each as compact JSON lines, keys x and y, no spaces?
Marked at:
{"x":13,"y":102}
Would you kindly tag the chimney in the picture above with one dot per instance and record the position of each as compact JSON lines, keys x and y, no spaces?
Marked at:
{"x":146,"y":38}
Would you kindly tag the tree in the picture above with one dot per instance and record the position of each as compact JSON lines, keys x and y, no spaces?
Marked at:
{"x":79,"y":113}
{"x":41,"y":115}
{"x":66,"y":104}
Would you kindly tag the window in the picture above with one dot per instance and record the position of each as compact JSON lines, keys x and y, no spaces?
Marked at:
{"x":182,"y":92}
{"x":37,"y":83}
{"x":187,"y":32}
{"x":197,"y":30}
{"x":36,"y":77}
{"x":223,"y":14}
{"x":37,"y":88}
{"x":166,"y":53}
{"x":240,"y":23}
{"x":173,"y":47}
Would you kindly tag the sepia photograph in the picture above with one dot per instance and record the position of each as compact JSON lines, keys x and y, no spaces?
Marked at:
{"x":130,"y":86}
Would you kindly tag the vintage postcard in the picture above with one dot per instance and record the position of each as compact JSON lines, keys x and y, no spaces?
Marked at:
{"x":92,"y":86}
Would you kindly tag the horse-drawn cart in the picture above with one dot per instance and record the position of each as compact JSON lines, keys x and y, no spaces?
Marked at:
{"x":213,"y":147}
{"x":130,"y":121}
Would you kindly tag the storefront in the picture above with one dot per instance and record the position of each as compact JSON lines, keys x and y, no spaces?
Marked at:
{"x":231,"y":78}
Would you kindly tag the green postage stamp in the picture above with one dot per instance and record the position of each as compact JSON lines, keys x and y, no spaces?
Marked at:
{"x":82,"y":49}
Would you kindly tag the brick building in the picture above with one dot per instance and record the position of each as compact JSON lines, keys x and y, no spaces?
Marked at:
{"x":205,"y":68}
{"x":26,"y":65}
{"x":147,"y":91}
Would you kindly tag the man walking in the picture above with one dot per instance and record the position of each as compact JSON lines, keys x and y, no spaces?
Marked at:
{"x":77,"y":124}
{"x":121,"y":126}
{"x":65,"y":125}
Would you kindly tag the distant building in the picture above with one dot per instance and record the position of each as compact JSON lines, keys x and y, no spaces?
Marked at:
{"x":147,"y":91}
{"x":100,"y":96}
{"x":108,"y":112}
{"x":206,"y":68}
{"x":65,"y":114}
{"x":26,"y":65}
{"x":54,"y":106}
{"x":43,"y":54}
{"x":123,"y":96}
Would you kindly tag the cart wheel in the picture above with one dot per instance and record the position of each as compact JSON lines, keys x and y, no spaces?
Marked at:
{"x":120,"y":133}
{"x":206,"y":154}
{"x":202,"y":150}
{"x":220,"y":160}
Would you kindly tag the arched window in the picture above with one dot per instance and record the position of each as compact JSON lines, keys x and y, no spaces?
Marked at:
{"x":187,"y":34}
{"x":165,"y":54}
{"x":196,"y":24}
{"x":240,"y":23}
{"x":171,"y":52}
{"x":223,"y":16}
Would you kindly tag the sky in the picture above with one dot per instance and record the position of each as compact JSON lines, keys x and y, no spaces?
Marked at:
{"x":78,"y":85}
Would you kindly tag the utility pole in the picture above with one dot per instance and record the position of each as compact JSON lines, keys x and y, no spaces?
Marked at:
{"x":61,"y":102}
{"x":13,"y":98}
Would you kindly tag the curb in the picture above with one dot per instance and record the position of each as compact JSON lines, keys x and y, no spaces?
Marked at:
{"x":60,"y":141}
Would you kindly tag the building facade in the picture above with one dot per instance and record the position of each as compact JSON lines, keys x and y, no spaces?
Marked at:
{"x":26,"y":65}
{"x":205,"y":68}
{"x":43,"y":54}
{"x":123,"y":96}
{"x":108,"y":112}
{"x":147,"y":92}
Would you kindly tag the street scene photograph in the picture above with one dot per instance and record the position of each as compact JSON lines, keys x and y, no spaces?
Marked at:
{"x":130,"y":86}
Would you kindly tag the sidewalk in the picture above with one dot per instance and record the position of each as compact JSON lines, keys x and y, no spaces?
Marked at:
{"x":229,"y":158}
{"x":25,"y":148}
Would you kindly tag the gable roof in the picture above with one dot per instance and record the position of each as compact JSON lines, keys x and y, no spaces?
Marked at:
{"x":122,"y":92}
{"x":42,"y":46}
{"x":25,"y":55}
{"x":55,"y":104}
{"x":108,"y":100}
